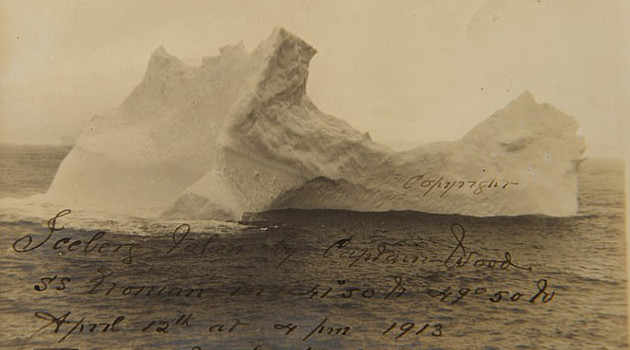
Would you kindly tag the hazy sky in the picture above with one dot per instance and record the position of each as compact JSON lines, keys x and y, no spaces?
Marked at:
{"x":409,"y":72}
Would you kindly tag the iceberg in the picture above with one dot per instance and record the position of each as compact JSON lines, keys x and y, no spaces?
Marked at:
{"x":239,"y":134}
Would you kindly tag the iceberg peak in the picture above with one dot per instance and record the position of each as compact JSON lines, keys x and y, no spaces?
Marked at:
{"x":524,"y":100}
{"x":286,"y":71}
{"x":160,"y":58}
{"x":526,"y":97}
{"x":160,"y":52}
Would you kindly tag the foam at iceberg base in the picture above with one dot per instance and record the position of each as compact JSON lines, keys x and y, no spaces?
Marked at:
{"x":239,"y":134}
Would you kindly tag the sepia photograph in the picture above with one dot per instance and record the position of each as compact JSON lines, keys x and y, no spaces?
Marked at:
{"x":314,"y":175}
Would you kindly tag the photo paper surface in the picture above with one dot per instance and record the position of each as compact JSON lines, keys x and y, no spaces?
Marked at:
{"x":313,"y":175}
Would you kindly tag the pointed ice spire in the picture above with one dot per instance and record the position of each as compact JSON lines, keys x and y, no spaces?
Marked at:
{"x":161,"y":58}
{"x":286,"y":73}
{"x":525,"y":97}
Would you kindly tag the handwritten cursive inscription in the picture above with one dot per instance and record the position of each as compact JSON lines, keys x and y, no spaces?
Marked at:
{"x":453,"y":296}
{"x":376,"y":253}
{"x":366,"y":270}
{"x":91,"y":246}
{"x":477,"y":187}
{"x":77,"y":326}
{"x":459,"y":257}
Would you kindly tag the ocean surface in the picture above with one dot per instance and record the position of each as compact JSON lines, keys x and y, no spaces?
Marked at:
{"x":320,"y":279}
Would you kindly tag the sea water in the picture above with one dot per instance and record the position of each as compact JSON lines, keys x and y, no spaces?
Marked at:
{"x":319,"y":279}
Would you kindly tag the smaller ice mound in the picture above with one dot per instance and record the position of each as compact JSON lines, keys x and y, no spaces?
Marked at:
{"x":523,"y":160}
{"x":239,"y":134}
